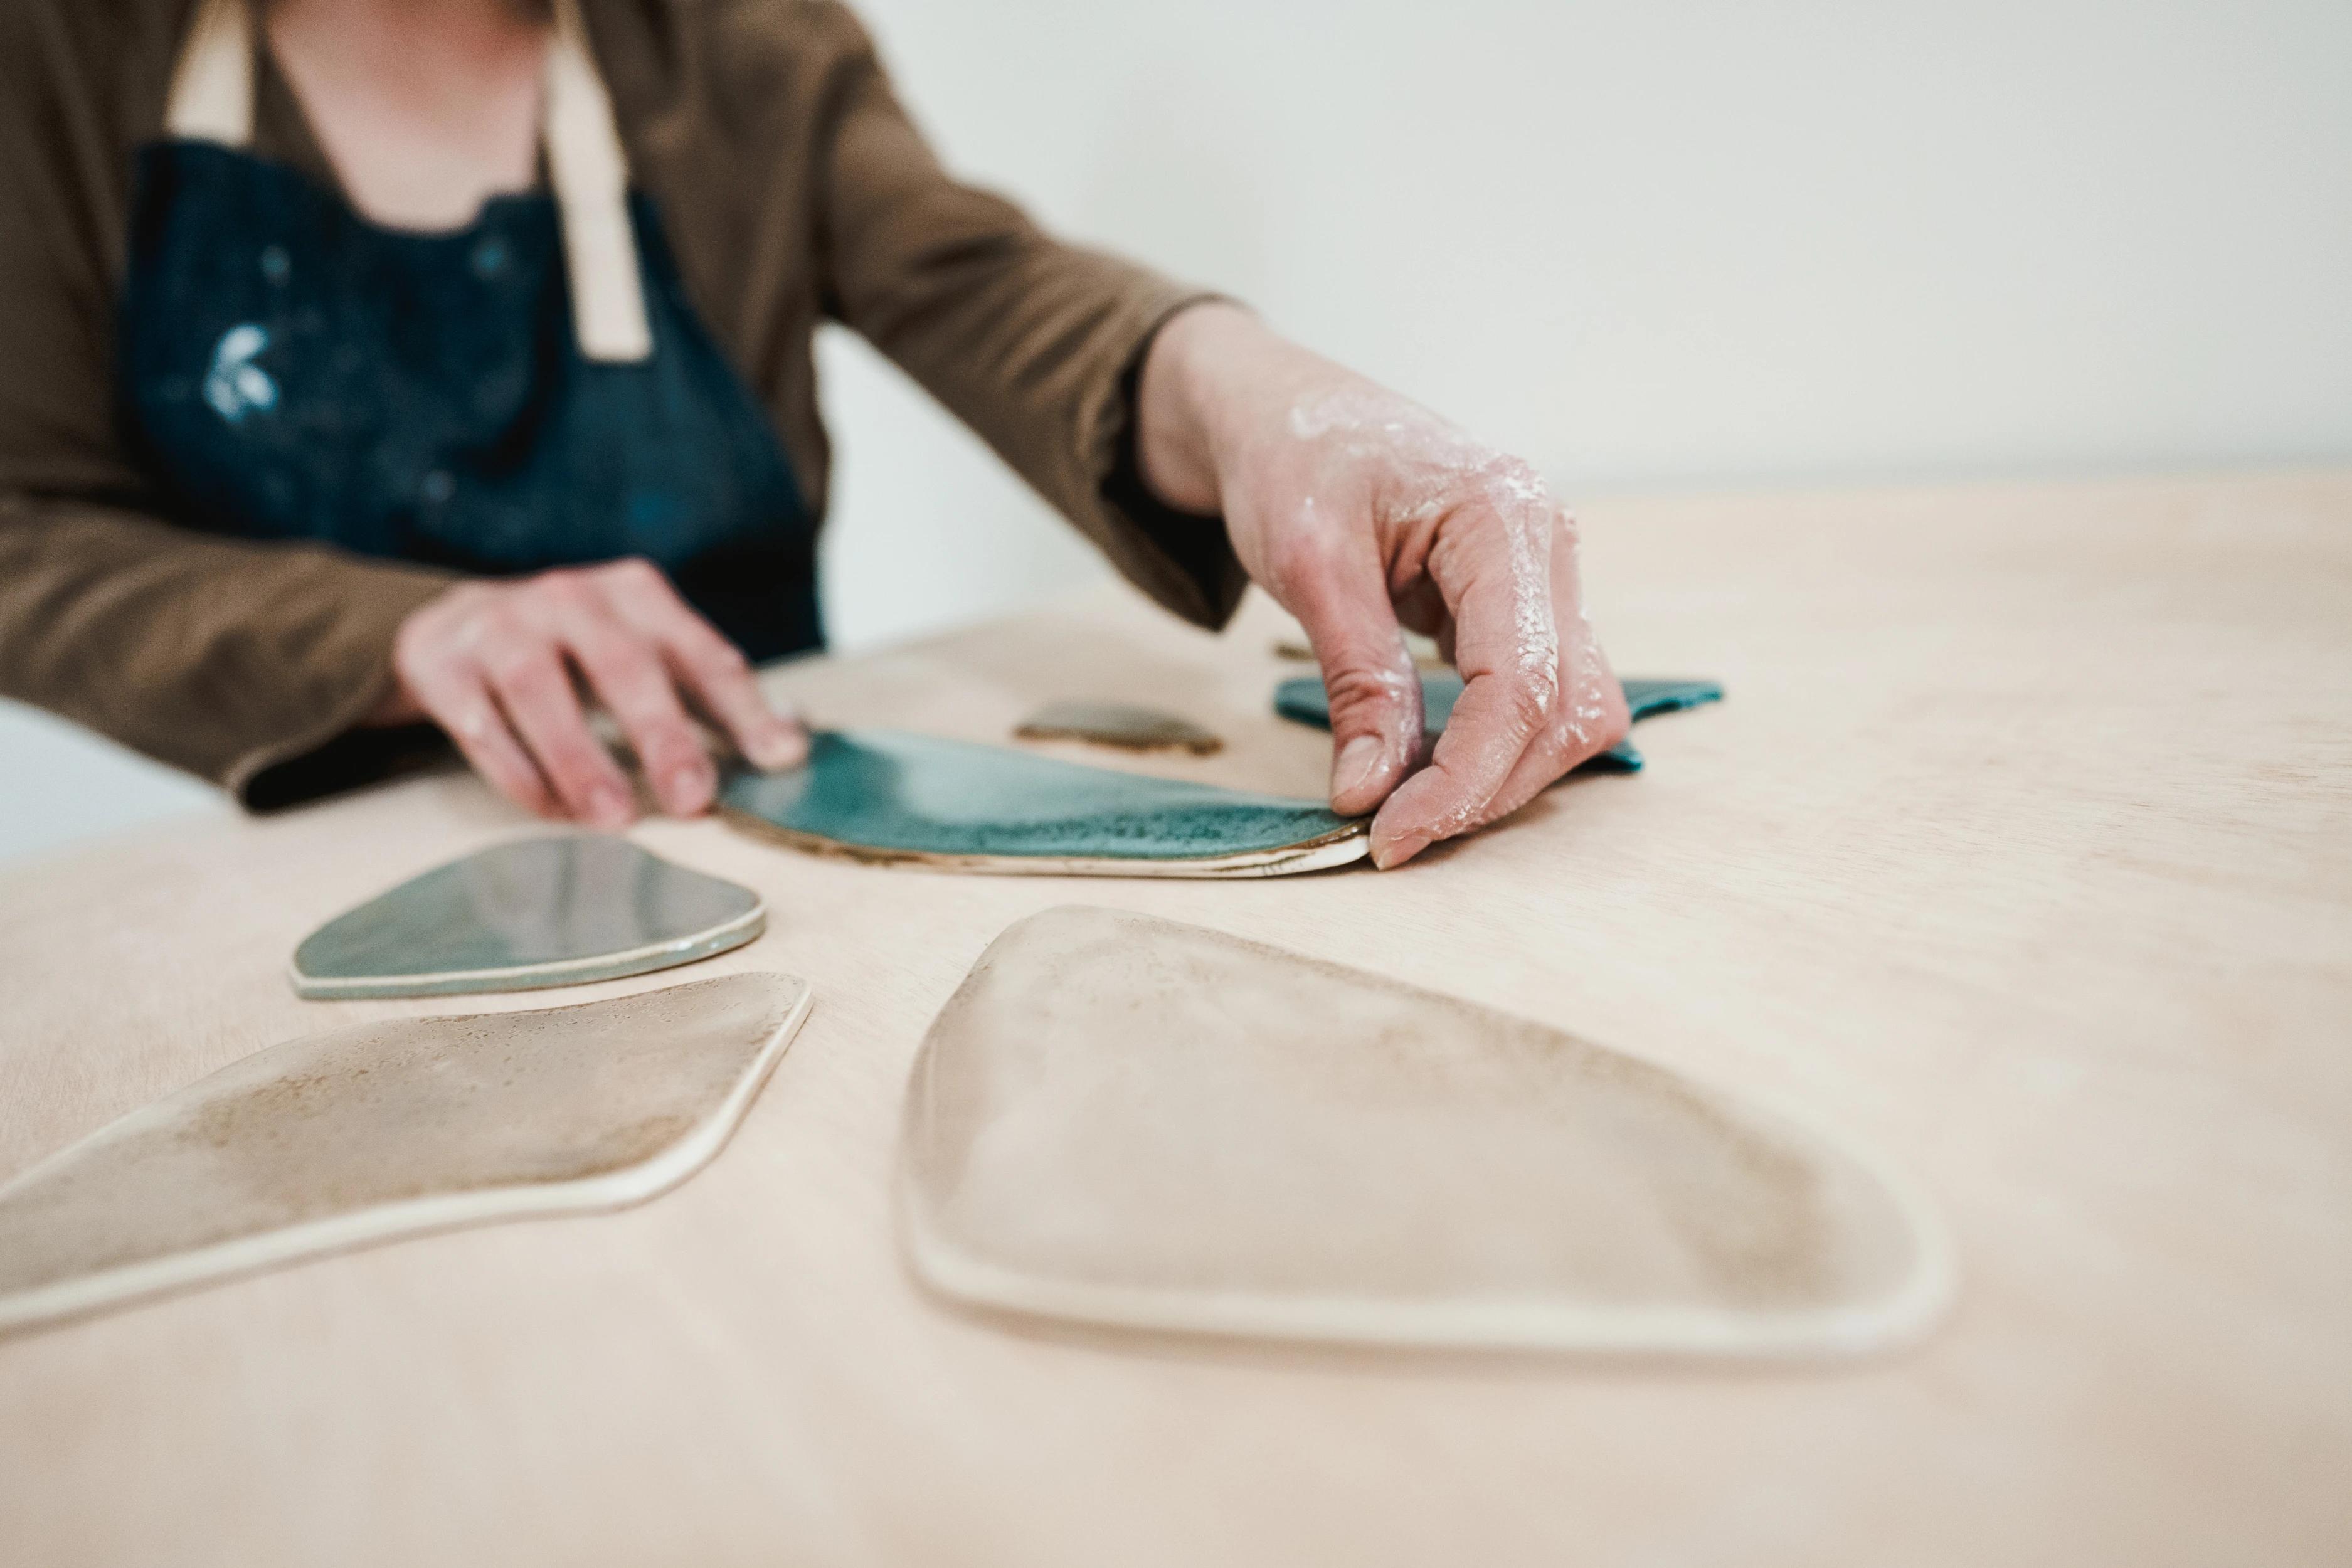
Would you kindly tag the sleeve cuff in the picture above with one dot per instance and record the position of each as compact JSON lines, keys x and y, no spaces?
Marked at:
{"x":335,"y":750}
{"x":1185,"y":562}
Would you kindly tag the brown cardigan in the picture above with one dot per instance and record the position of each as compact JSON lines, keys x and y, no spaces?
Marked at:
{"x":795,"y":190}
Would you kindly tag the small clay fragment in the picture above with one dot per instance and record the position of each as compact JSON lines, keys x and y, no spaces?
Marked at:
{"x":1119,"y":724}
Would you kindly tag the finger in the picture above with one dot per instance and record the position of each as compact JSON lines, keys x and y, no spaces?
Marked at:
{"x":628,"y":678}
{"x":710,"y":669}
{"x":1339,"y":594}
{"x":457,"y":699}
{"x":1565,"y":745}
{"x":534,"y":689}
{"x":1493,"y":566}
{"x":1590,"y":715}
{"x":1422,"y":608}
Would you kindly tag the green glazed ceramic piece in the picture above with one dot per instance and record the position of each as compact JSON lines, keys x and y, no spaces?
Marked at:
{"x":393,"y":1128}
{"x":1303,"y":699}
{"x":560,"y":911}
{"x":1119,"y":724}
{"x":887,"y":796}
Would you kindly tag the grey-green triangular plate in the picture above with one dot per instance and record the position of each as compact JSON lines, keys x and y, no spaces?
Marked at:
{"x":1122,"y":724}
{"x":560,"y":911}
{"x":886,"y":795}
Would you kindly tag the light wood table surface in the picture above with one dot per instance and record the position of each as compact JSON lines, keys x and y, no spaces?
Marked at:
{"x":2023,"y":849}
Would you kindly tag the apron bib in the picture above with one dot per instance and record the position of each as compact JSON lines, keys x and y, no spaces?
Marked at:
{"x":531,"y":391}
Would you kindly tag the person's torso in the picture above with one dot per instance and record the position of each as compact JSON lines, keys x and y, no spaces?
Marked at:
{"x":290,"y":368}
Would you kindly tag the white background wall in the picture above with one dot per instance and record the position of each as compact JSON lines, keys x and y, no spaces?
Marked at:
{"x":1667,"y":246}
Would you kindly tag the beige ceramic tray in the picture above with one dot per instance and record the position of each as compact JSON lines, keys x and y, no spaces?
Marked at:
{"x":392,"y":1129}
{"x":1124,"y":1120}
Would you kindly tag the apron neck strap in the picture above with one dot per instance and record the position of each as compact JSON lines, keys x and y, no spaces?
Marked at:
{"x":212,"y":87}
{"x":212,"y":100}
{"x":589,"y":172}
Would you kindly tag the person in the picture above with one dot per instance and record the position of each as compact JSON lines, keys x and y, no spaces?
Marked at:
{"x":375,"y":364}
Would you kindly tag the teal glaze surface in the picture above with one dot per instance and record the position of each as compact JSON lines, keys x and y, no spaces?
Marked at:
{"x":1303,"y":699}
{"x":894,"y":793}
{"x":560,"y":911}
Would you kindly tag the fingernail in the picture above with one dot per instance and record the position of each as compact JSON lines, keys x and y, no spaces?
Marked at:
{"x":1397,"y":851}
{"x":609,"y":807}
{"x":1354,"y":764}
{"x":780,"y":748}
{"x":689,"y":788}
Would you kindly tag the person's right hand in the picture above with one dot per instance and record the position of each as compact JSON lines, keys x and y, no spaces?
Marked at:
{"x":493,"y":663}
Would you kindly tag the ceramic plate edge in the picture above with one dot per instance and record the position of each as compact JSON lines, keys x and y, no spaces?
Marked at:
{"x":708,"y":942}
{"x":88,"y":1293}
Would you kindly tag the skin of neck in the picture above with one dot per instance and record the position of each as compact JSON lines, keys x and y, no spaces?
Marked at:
{"x":425,"y":107}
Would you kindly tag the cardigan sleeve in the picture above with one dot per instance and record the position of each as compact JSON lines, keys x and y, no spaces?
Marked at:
{"x":1036,"y":343}
{"x":250,"y":664}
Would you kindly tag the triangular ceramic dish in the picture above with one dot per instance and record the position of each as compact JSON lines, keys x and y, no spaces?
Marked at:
{"x":559,"y":910}
{"x":886,"y":795}
{"x":1302,"y":698}
{"x":389,"y":1130}
{"x":1122,"y":1121}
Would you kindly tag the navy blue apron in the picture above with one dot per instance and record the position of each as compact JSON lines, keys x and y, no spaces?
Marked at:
{"x":291,"y":370}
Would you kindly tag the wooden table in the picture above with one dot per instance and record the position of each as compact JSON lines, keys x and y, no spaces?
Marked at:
{"x":2022,"y":848}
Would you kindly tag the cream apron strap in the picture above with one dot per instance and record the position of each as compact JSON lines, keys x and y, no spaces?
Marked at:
{"x":212,"y":85}
{"x":591,"y":175}
{"x":212,"y":100}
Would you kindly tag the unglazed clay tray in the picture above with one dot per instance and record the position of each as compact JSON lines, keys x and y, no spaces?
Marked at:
{"x":557,"y":911}
{"x":388,"y":1129}
{"x":886,"y":795}
{"x":1303,"y":699}
{"x":1123,"y":1120}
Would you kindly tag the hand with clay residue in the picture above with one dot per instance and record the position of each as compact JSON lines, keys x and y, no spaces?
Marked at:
{"x":1362,"y":512}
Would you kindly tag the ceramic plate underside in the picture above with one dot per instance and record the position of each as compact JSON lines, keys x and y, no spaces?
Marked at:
{"x":390,"y":1130}
{"x":1127,"y":1121}
{"x":886,"y":796}
{"x":555,"y":911}
{"x":1303,"y":699}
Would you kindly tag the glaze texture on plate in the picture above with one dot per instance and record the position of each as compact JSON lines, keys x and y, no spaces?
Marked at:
{"x":1303,"y":699}
{"x":559,"y":910}
{"x":1124,"y":1120}
{"x":388,"y":1129}
{"x":1119,"y":724}
{"x":886,"y":795}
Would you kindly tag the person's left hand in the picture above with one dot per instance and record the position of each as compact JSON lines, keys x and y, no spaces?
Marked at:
{"x":1360,"y":512}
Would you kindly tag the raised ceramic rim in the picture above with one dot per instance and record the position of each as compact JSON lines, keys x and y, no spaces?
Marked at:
{"x":1350,"y":841}
{"x":707,"y":943}
{"x":612,"y":1190}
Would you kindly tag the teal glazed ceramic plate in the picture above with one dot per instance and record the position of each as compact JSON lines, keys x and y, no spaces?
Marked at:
{"x":1303,"y":699}
{"x":560,"y":911}
{"x":887,"y":796}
